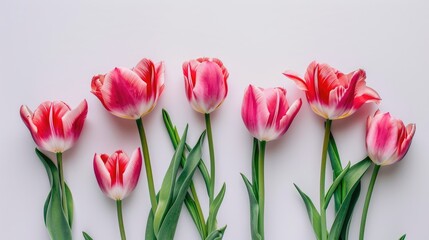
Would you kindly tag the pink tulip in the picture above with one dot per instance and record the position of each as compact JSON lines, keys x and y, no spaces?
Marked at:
{"x":205,"y":83}
{"x":333,"y":94}
{"x":387,"y":138}
{"x":54,"y":126}
{"x":266,"y":112}
{"x":118,"y":175}
{"x":130,"y":93}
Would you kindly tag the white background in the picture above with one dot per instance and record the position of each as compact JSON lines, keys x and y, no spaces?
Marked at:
{"x":51,"y":50}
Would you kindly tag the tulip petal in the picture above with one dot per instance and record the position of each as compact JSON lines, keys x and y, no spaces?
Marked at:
{"x":254,"y":111}
{"x":101,"y":173}
{"x":123,"y":91}
{"x":300,"y":83}
{"x":73,"y":120}
{"x":132,"y":172}
{"x":290,"y":115}
{"x":209,"y":90}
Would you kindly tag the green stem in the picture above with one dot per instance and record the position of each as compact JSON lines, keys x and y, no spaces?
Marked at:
{"x":62,"y":184}
{"x":120,"y":219}
{"x":322,"y":180}
{"x":212,"y":157}
{"x":367,"y":200}
{"x":261,"y":187}
{"x":147,"y":165}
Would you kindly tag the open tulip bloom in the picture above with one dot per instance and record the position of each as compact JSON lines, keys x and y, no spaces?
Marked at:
{"x":55,"y":127}
{"x":333,"y":95}
{"x":117,"y":175}
{"x":267,"y":115}
{"x":131,"y":94}
{"x":206,"y":88}
{"x":387,"y":142}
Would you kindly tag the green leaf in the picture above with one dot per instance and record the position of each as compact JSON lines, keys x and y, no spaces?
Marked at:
{"x":150,"y":234}
{"x":255,"y":159}
{"x":175,"y":139}
{"x":214,"y":208}
{"x":313,"y":214}
{"x":86,"y":236}
{"x":70,"y":205}
{"x":347,"y":220}
{"x":45,"y":207}
{"x":403,"y":237}
{"x":167,"y":188}
{"x":254,"y":210}
{"x":192,"y":209}
{"x":335,"y":184}
{"x":337,"y":168}
{"x":56,"y":222}
{"x":168,"y":227}
{"x":350,"y":181}
{"x":217,"y":234}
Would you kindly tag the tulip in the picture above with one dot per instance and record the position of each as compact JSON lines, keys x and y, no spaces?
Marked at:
{"x":117,"y":175}
{"x":266,"y":112}
{"x":205,"y":83}
{"x":387,"y":138}
{"x":54,"y":126}
{"x":387,"y":142}
{"x":267,"y":115}
{"x":333,"y":94}
{"x":130,"y":93}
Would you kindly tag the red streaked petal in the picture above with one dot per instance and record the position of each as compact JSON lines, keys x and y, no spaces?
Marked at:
{"x":132,"y":172}
{"x":102,"y":174}
{"x":74,"y":120}
{"x":254,"y":111}
{"x":290,"y":115}
{"x":123,"y":92}
{"x":300,"y":83}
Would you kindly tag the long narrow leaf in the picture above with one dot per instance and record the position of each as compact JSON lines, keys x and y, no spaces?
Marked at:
{"x":168,"y":184}
{"x":175,"y":139}
{"x":216,"y":235}
{"x":347,"y":220}
{"x":86,"y":236}
{"x":214,"y":208}
{"x":403,"y":237}
{"x":254,"y":210}
{"x":255,"y":158}
{"x":335,"y":184}
{"x":70,"y":205}
{"x":192,"y":209}
{"x":337,"y":168}
{"x":351,"y":181}
{"x":150,"y":234}
{"x":313,"y":214}
{"x":168,"y":227}
{"x":56,"y":222}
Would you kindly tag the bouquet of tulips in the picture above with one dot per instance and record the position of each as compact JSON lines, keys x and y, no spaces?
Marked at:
{"x":266,"y":113}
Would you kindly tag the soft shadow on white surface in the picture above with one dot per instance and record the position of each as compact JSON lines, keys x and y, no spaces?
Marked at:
{"x":51,"y":50}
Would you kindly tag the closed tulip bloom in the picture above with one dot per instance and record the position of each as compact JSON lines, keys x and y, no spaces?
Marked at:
{"x":333,"y":94}
{"x":117,"y":175}
{"x":130,"y":93}
{"x":387,"y":138}
{"x":205,"y":83}
{"x":54,"y":126}
{"x":266,"y":112}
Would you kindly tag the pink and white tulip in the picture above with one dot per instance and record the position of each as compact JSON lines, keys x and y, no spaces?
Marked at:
{"x":117,"y":175}
{"x":333,"y":94}
{"x":266,"y":112}
{"x":54,"y":126}
{"x":387,"y":138}
{"x":205,"y":83}
{"x":130,"y":93}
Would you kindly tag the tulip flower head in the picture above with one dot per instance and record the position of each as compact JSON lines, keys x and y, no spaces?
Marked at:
{"x":130,"y":93}
{"x":117,"y":175}
{"x":333,"y":94}
{"x":54,"y":126}
{"x":266,"y":112}
{"x":387,"y":138}
{"x":205,"y":83}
